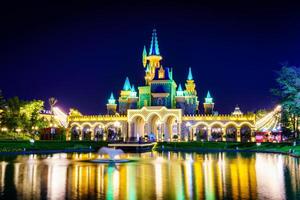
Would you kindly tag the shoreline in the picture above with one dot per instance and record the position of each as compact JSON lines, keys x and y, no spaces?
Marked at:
{"x":201,"y":150}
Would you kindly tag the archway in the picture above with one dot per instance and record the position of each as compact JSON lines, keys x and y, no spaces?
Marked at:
{"x":216,"y":133}
{"x":201,"y":132}
{"x":231,"y":133}
{"x":75,"y":132}
{"x":171,"y":128}
{"x":99,"y":133}
{"x":155,"y":127}
{"x":111,"y":132}
{"x":245,"y":133}
{"x":86,"y":132}
{"x":137,"y":129}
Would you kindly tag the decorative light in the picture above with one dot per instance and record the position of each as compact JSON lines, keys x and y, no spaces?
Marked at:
{"x":18,"y":130}
{"x":117,"y":124}
{"x":188,"y":124}
{"x":4,"y":129}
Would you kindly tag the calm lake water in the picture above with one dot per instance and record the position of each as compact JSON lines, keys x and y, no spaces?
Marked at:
{"x":151,"y":176}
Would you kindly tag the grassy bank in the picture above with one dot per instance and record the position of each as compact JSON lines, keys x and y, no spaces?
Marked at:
{"x":228,"y":146}
{"x":40,"y":145}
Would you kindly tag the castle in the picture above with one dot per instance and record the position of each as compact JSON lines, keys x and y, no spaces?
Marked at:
{"x":161,"y":110}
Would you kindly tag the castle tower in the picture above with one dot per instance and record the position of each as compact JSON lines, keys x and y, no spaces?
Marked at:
{"x":208,"y":104}
{"x":180,"y":98}
{"x":190,"y":94}
{"x":153,"y":58}
{"x":133,"y":99}
{"x":123,"y":99}
{"x":111,"y":106}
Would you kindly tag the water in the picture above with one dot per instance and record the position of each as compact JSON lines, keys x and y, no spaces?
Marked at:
{"x":151,"y":176}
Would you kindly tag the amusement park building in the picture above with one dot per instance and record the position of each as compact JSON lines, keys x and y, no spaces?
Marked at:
{"x":162,"y":110}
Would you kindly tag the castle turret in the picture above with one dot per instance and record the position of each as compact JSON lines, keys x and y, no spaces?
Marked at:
{"x":133,"y":99}
{"x":208,"y":104}
{"x":180,"y":101}
{"x":123,"y":99}
{"x":111,"y":105}
{"x":190,"y":94}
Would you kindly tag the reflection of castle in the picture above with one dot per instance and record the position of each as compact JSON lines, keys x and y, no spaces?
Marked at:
{"x":163,"y":108}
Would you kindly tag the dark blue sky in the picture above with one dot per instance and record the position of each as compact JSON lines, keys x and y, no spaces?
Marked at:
{"x":81,"y":52}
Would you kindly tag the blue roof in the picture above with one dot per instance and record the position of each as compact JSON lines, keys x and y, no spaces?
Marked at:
{"x":179,"y":89}
{"x":127,"y":86}
{"x":154,"y":49}
{"x":190,"y":75}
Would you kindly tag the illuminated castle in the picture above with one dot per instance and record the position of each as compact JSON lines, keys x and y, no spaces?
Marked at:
{"x":162,"y":108}
{"x":160,"y":88}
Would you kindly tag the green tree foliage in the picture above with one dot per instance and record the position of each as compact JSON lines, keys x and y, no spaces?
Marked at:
{"x":288,"y":91}
{"x":23,"y":114}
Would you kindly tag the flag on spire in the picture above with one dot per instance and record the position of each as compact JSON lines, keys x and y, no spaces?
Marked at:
{"x":127,"y":86}
{"x":154,"y":49}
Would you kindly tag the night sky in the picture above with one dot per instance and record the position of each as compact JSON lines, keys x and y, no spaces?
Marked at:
{"x":80,"y":52}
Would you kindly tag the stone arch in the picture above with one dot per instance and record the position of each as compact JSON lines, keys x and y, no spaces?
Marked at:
{"x":231,"y":132}
{"x":216,"y":131}
{"x":86,"y":132}
{"x":137,"y":127}
{"x":170,"y":125}
{"x":246,"y":123}
{"x":155,"y":125}
{"x":201,"y":131}
{"x":75,"y":131}
{"x":135,"y":115}
{"x":111,"y":131}
{"x":246,"y":133}
{"x":99,"y":131}
{"x":217,"y":124}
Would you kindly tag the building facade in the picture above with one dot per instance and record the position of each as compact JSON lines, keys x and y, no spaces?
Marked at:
{"x":161,"y":110}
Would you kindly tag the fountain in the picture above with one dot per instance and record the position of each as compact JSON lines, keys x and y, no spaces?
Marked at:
{"x":112,"y":153}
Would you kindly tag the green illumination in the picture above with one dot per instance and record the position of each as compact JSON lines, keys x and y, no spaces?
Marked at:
{"x":111,"y":99}
{"x":127,"y":86}
{"x":208,"y":98}
{"x":190,"y":75}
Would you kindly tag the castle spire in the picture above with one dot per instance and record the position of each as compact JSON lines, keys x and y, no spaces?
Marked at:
{"x":144,"y":56}
{"x":127,"y":86}
{"x":179,"y":91}
{"x":208,"y":98}
{"x":111,"y":99}
{"x":154,"y":49}
{"x":190,"y":75}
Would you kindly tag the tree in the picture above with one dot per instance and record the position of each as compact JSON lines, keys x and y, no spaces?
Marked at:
{"x":288,"y":91}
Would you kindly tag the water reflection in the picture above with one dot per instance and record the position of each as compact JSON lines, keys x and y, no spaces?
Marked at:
{"x":153,"y":176}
